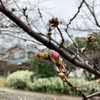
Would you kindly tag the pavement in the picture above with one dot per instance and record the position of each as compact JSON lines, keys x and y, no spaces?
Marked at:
{"x":11,"y":94}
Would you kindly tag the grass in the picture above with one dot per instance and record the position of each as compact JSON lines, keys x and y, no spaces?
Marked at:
{"x":2,"y":82}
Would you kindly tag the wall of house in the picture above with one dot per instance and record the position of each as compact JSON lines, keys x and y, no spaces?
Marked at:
{"x":30,"y":54}
{"x":16,"y":52}
{"x":0,"y":56}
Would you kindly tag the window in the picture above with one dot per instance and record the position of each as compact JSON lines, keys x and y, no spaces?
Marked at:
{"x":22,"y":54}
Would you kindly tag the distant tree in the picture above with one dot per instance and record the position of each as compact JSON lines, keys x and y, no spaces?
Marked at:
{"x":92,"y":52}
{"x":81,"y":41}
{"x":42,"y":68}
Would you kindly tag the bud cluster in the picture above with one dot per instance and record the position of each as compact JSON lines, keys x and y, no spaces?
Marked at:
{"x":95,"y":44}
{"x":54,"y":22}
{"x":54,"y":57}
{"x":42,"y":55}
{"x":90,"y":38}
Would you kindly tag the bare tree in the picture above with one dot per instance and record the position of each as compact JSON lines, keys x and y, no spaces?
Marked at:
{"x":55,"y":27}
{"x":88,"y":17}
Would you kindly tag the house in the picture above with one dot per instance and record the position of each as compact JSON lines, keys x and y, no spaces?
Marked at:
{"x":15,"y":58}
{"x":2,"y":53}
{"x":19,"y":54}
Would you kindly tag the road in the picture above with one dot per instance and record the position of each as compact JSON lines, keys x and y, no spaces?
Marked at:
{"x":10,"y":94}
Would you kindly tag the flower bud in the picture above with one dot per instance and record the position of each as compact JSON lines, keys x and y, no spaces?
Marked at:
{"x":39,"y":55}
{"x":95,"y":44}
{"x":45,"y":55}
{"x":90,"y":38}
{"x":55,"y":55}
{"x":61,"y":74}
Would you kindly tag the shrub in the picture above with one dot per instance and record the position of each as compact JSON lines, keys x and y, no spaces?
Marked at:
{"x":19,"y":79}
{"x":47,"y":85}
{"x":86,"y":86}
{"x":55,"y":85}
{"x":2,"y":82}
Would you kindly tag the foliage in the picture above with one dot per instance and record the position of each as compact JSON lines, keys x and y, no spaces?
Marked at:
{"x":47,"y":85}
{"x":2,"y":82}
{"x":85,"y":86}
{"x":42,"y":68}
{"x":81,"y":41}
{"x":19,"y":79}
{"x":52,"y":85}
{"x":55,"y":85}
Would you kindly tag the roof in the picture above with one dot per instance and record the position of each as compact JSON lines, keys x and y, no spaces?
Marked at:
{"x":17,"y":61}
{"x":2,"y":52}
{"x":26,"y":48}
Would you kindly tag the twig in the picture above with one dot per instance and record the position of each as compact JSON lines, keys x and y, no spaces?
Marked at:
{"x":71,"y":38}
{"x":27,"y":19}
{"x":92,"y":95}
{"x":95,"y":66}
{"x":2,"y":5}
{"x":42,"y":18}
{"x":61,"y":37}
{"x":93,"y":14}
{"x":24,"y":13}
{"x":75,"y":14}
{"x":23,"y":39}
{"x":77,"y":89}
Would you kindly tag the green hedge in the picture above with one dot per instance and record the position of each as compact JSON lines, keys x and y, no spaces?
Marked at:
{"x":20,"y":79}
{"x":50,"y":85}
{"x":86,"y":86}
{"x":54,"y":85}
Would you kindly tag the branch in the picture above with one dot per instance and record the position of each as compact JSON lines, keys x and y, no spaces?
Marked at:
{"x":75,"y":14}
{"x":92,"y":95}
{"x":66,"y":29}
{"x":71,"y":38}
{"x":23,"y":39}
{"x":2,"y":4}
{"x":93,"y":14}
{"x":61,"y":37}
{"x":55,"y":58}
{"x":45,"y":42}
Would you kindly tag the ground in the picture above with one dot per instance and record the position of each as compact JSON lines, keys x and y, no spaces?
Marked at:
{"x":10,"y":94}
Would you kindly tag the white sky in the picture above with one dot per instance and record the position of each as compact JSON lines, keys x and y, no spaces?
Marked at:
{"x":63,"y":9}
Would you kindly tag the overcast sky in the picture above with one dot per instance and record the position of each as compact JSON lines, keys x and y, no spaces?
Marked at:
{"x":63,"y":9}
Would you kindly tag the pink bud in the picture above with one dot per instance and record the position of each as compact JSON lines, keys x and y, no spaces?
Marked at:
{"x":55,"y":55}
{"x":61,"y":74}
{"x":38,"y":54}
